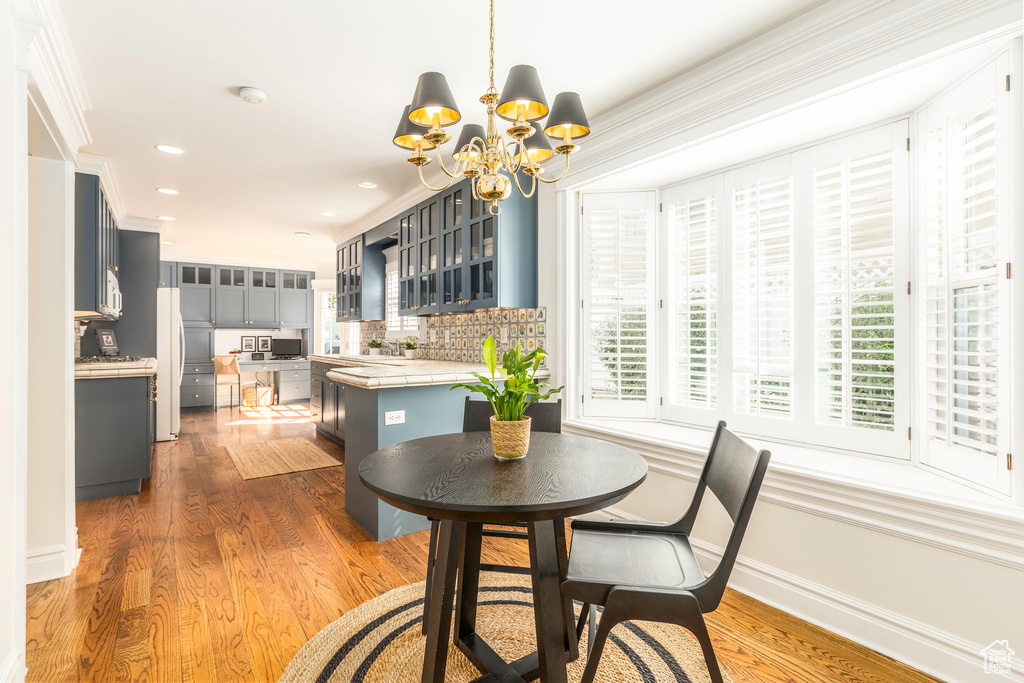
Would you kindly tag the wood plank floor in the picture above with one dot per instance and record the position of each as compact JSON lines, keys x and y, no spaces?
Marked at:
{"x":207,"y":577}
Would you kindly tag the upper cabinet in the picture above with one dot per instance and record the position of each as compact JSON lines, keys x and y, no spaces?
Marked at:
{"x":96,"y":251}
{"x":362,"y":280}
{"x":296,"y":298}
{"x":241,"y":297}
{"x":455,"y":256}
{"x":195,"y":280}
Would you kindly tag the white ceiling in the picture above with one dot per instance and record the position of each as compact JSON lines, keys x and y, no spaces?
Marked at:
{"x":338,"y":75}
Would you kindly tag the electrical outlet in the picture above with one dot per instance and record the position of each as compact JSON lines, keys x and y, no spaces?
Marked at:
{"x":394,"y":417}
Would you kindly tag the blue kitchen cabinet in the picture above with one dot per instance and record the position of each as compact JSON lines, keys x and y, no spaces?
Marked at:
{"x":168,"y":274}
{"x":455,"y":256}
{"x":114,"y":427}
{"x":232,"y":296}
{"x":198,"y":307}
{"x":96,"y":250}
{"x":264,"y":298}
{"x":296,"y":298}
{"x":362,"y":280}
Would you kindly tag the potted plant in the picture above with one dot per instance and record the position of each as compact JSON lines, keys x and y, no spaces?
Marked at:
{"x":374,"y":346}
{"x":410,"y":343}
{"x":510,"y":428}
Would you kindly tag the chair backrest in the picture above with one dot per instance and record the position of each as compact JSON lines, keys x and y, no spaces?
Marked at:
{"x":733,"y":471}
{"x":547,"y":417}
{"x":225,"y":365}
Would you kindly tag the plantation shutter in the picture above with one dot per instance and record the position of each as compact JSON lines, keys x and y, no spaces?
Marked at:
{"x":691,"y":302}
{"x":965,"y":297}
{"x":618,"y":297}
{"x":762,"y":290}
{"x":859,"y":190}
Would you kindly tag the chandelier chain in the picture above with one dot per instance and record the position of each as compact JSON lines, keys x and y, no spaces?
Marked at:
{"x":491,"y":53}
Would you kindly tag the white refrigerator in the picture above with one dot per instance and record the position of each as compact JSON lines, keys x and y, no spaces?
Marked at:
{"x":170,"y":362}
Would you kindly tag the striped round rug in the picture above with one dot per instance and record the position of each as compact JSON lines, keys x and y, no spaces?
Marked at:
{"x":381,"y":640}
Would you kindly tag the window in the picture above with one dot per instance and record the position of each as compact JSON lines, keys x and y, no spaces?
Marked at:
{"x":775,"y":291}
{"x":396,"y":324}
{"x":330,"y":328}
{"x":965,"y":298}
{"x":619,"y":290}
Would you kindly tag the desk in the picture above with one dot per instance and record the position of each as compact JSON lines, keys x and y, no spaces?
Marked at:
{"x":290,"y":377}
{"x":456,"y":478}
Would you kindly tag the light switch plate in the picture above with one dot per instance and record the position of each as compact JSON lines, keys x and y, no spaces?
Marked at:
{"x":394,"y":417}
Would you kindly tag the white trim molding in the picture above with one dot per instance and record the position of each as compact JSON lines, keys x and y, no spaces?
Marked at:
{"x":919,"y":645}
{"x":50,"y":562}
{"x":990,"y":533}
{"x":104,"y":168}
{"x":141,"y":224}
{"x":840,"y":44}
{"x":226,"y":261}
{"x":388,"y":211}
{"x":12,"y":669}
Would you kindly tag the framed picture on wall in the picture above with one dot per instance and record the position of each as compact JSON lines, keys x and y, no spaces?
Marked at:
{"x":264,"y":343}
{"x":248,"y":344}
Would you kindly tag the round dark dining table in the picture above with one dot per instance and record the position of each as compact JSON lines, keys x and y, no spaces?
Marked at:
{"x":455,"y":478}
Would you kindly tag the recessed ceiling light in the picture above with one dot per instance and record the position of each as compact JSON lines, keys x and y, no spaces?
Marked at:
{"x":277,"y":252}
{"x":165,"y":218}
{"x":367,"y":185}
{"x":328,"y":214}
{"x":166,"y":242}
{"x":170,"y":149}
{"x":166,"y":190}
{"x":302,"y":234}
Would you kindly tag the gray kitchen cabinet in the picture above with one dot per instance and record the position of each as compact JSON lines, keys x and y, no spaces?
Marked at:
{"x":168,"y":274}
{"x":327,"y":401}
{"x":296,"y":299}
{"x":362,"y":279}
{"x":96,"y":248}
{"x":455,"y":256}
{"x":264,"y":298}
{"x":195,"y":280}
{"x":198,"y":344}
{"x":232,"y":299}
{"x":114,"y":427}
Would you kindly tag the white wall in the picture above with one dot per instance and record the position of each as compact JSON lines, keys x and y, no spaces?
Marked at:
{"x":13,"y":345}
{"x":52,"y":541}
{"x":929,"y":605}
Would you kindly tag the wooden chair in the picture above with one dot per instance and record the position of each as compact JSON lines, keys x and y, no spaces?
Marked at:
{"x":227,"y":366}
{"x":546,"y":417}
{"x":648,"y":571}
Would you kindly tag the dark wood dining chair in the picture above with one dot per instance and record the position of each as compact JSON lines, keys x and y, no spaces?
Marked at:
{"x":648,"y":571}
{"x":545,"y":417}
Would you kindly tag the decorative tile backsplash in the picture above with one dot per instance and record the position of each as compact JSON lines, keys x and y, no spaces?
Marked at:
{"x":458,"y":336}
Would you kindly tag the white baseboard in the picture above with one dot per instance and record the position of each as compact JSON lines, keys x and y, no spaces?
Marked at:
{"x":12,"y":669}
{"x":50,"y":562}
{"x":923,"y":647}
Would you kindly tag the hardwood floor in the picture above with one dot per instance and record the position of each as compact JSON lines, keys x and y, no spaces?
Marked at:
{"x":205,"y":576}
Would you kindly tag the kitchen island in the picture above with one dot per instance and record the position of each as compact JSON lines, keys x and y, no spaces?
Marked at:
{"x":384,"y":400}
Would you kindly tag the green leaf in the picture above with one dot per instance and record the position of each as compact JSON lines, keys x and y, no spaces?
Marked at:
{"x":490,"y":354}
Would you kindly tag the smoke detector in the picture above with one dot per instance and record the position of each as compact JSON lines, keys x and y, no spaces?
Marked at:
{"x":253,"y":96}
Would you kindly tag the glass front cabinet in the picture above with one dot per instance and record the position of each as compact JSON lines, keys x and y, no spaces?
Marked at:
{"x":455,"y":256}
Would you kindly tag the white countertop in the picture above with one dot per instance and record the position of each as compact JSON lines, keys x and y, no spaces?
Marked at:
{"x":385,"y":372}
{"x":144,"y":367}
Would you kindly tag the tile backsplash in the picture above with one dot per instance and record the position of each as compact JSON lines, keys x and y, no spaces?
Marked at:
{"x":458,"y":336}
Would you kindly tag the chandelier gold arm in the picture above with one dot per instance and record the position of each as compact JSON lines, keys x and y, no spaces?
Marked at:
{"x":533,"y":185}
{"x":431,"y":187}
{"x":555,"y":180}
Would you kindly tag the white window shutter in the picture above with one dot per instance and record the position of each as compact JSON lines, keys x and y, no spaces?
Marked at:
{"x":965,"y":331}
{"x":618,"y":303}
{"x":762,"y":293}
{"x":691,"y":301}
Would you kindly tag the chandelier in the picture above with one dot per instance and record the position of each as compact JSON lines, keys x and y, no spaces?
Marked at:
{"x":484,"y":156}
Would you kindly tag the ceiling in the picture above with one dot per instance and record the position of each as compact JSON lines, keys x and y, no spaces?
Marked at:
{"x":337,"y":75}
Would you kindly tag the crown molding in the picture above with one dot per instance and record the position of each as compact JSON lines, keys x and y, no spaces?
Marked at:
{"x":141,"y":224}
{"x":26,"y":28}
{"x":103,"y":167}
{"x":185,"y":257}
{"x":795,"y":61}
{"x":55,"y":74}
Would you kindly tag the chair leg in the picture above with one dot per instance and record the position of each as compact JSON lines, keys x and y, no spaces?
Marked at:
{"x":699,"y":629}
{"x":592,"y":620}
{"x":431,"y":552}
{"x":596,"y":641}
{"x":582,"y":621}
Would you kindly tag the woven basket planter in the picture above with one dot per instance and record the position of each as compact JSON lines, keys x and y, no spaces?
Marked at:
{"x":257,"y":397}
{"x":511,"y":440}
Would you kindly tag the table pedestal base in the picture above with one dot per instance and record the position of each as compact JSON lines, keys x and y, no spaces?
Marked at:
{"x":458,"y":559}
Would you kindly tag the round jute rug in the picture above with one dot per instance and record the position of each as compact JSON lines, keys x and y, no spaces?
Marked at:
{"x":381,"y":640}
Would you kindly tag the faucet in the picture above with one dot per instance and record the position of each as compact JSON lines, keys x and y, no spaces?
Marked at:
{"x":390,"y":345}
